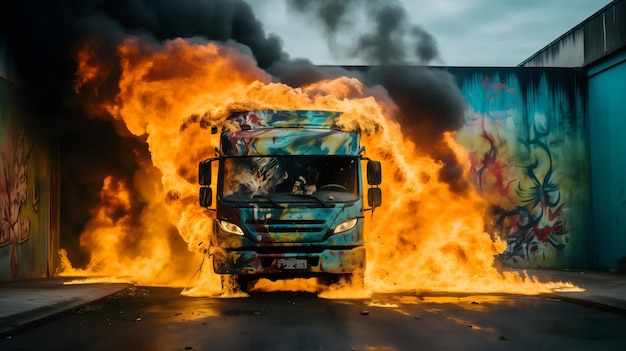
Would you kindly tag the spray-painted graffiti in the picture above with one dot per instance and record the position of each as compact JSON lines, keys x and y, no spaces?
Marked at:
{"x":519,"y":155}
{"x":15,"y":228}
{"x":535,"y":229}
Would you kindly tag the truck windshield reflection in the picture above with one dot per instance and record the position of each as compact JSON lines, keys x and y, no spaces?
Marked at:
{"x":290,"y":178}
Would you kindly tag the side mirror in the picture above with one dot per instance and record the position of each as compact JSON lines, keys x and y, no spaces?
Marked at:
{"x":204,"y":172}
{"x":374,"y":197}
{"x":374,"y":172}
{"x":206,"y":196}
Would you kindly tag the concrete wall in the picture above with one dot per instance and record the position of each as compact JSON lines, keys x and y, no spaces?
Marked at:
{"x":599,"y":45}
{"x":602,"y":34}
{"x":569,"y":51}
{"x":25,"y":240}
{"x":526,"y":132}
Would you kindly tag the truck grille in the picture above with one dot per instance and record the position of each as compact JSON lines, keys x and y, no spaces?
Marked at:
{"x":286,"y":226}
{"x":283,"y":227}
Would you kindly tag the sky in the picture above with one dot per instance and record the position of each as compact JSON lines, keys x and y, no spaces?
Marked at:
{"x":465,"y":32}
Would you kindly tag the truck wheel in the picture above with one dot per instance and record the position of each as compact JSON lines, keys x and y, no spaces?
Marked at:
{"x":235,"y":283}
{"x":332,"y":279}
{"x":244,"y":282}
{"x":353,"y":279}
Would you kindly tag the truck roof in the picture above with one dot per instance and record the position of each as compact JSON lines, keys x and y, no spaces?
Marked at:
{"x":264,"y":119}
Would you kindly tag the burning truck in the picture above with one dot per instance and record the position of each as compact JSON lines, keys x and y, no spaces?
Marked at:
{"x":288,"y":201}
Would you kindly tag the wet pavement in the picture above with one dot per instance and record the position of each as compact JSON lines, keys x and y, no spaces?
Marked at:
{"x":601,"y":289}
{"x":27,"y":303}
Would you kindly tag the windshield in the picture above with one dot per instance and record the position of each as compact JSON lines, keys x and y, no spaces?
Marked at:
{"x":289,"y":178}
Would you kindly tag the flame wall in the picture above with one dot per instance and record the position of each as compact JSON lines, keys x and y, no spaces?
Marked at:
{"x":525,"y":132}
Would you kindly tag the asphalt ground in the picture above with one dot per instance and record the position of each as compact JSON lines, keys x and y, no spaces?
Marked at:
{"x":26,"y":303}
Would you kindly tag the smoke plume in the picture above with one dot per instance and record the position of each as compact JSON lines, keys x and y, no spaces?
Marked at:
{"x":377,"y":32}
{"x":428,"y":99}
{"x":44,"y":36}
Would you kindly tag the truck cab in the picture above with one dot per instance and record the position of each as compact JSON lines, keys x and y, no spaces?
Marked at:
{"x":289,"y":197}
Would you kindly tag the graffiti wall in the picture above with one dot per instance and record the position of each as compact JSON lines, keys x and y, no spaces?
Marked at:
{"x":23,"y":194}
{"x":527,"y":135}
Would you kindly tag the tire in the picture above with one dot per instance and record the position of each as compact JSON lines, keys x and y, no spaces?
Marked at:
{"x":244,"y":282}
{"x":353,"y":279}
{"x":332,"y":279}
{"x":235,"y":283}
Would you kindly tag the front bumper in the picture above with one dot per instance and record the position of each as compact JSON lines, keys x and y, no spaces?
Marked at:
{"x":336,"y":261}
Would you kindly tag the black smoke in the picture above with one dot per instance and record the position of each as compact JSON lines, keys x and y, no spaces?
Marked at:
{"x":430,"y":104}
{"x":429,"y":100}
{"x":376,"y":32}
{"x":44,"y":36}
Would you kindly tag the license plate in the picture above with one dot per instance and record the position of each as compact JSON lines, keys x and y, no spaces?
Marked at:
{"x":291,"y":263}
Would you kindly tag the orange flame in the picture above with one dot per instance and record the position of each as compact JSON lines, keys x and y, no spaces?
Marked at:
{"x":425,"y":237}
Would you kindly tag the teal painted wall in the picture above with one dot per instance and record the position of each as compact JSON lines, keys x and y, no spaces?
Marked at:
{"x":607,"y":135}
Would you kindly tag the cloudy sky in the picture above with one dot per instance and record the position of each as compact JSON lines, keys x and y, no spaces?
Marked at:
{"x":465,"y":32}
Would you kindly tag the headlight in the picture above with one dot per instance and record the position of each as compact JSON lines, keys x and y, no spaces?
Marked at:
{"x":347,"y":225}
{"x":229,"y":227}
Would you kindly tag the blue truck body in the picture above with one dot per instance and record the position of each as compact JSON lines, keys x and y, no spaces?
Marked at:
{"x":289,"y":196}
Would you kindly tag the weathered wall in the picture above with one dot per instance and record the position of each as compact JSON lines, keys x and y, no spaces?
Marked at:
{"x":568,"y":51}
{"x":598,"y":44}
{"x":526,"y":132}
{"x":607,"y":125}
{"x":24,"y":190}
{"x":598,"y":36}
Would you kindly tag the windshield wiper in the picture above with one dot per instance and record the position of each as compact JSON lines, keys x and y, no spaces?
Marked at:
{"x":313,"y":197}
{"x":276,"y":204}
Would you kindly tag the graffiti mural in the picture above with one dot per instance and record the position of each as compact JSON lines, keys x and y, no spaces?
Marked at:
{"x":24,"y":193}
{"x":15,"y":227}
{"x":525,"y":133}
